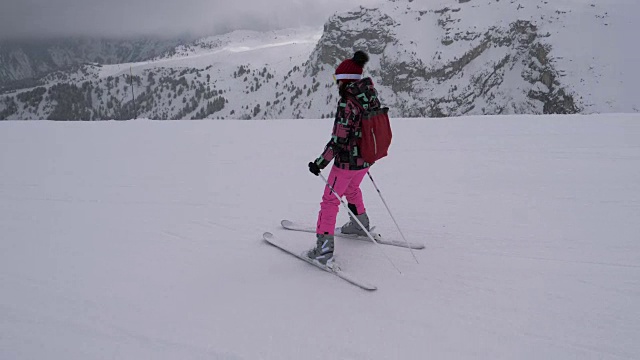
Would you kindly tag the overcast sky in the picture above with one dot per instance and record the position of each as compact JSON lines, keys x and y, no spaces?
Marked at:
{"x":47,"y":18}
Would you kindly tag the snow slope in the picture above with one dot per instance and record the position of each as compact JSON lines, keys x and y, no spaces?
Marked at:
{"x":142,"y":240}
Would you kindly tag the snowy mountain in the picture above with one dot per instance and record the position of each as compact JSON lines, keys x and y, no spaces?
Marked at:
{"x":142,"y":240}
{"x":23,"y":62}
{"x":428,"y":58}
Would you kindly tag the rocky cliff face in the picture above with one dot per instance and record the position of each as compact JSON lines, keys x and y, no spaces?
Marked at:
{"x":443,"y":61}
{"x":368,"y":29}
{"x":480,"y":80}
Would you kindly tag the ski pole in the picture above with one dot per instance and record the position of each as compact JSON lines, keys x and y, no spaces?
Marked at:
{"x":392,"y":217}
{"x":353,"y":216}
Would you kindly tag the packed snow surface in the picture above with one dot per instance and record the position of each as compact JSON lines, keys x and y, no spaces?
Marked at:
{"x":142,"y":240}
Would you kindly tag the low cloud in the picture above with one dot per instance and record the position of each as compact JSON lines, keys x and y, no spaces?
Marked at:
{"x":126,"y":18}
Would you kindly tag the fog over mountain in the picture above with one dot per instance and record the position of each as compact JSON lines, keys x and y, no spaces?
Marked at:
{"x":125,"y":18}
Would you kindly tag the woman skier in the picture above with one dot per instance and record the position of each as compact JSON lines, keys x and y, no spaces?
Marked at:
{"x":356,"y":94}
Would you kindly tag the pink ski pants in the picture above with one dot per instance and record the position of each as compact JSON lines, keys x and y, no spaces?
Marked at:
{"x":344,"y":183}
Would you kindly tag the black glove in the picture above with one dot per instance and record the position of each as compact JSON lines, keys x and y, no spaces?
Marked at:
{"x":313,"y":167}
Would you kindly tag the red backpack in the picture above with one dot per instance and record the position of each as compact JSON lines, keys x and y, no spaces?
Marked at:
{"x":376,"y":135}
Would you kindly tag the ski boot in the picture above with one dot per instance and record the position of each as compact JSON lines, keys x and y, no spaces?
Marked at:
{"x":323,"y":252}
{"x":352,"y":226}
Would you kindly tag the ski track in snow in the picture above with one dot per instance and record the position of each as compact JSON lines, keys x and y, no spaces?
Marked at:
{"x":142,"y":239}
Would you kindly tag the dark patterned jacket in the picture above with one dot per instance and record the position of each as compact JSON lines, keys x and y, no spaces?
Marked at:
{"x":343,"y":148}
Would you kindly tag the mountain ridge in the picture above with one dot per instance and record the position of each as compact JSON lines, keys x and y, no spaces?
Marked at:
{"x":428,"y":59}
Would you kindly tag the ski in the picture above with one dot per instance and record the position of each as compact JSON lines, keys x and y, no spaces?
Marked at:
{"x":290,"y":225}
{"x":271,"y":239}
